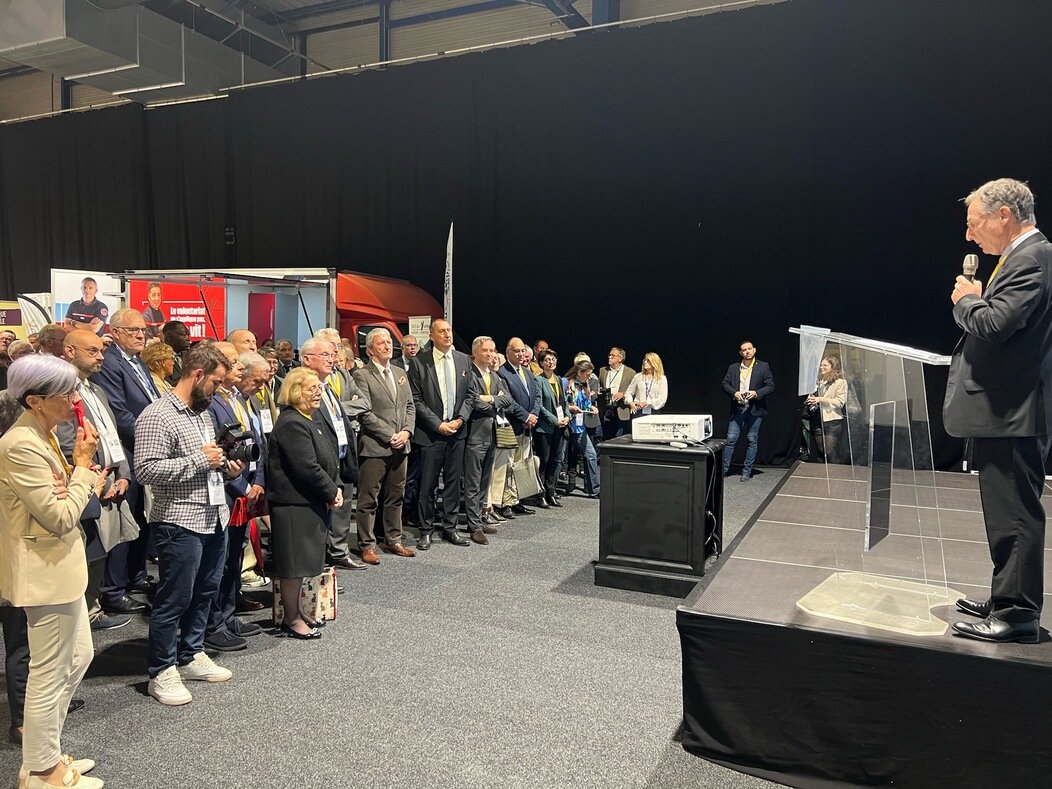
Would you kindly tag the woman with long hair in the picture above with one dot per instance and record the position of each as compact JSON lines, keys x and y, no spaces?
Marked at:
{"x":831,"y":398}
{"x":648,"y":392}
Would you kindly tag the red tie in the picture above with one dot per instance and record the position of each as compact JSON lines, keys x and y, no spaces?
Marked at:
{"x":78,"y":411}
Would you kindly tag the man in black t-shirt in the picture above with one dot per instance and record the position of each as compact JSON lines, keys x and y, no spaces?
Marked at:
{"x":88,"y":312}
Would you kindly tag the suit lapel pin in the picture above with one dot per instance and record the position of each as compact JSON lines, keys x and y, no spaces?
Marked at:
{"x":401,"y":381}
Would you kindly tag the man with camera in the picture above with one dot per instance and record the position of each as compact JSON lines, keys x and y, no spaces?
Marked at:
{"x":613,"y":382}
{"x":176,"y":453}
{"x":239,"y":440}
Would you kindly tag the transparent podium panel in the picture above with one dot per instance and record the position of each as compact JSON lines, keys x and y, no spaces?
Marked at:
{"x":870,"y":443}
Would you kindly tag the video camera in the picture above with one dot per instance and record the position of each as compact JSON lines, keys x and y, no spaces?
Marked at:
{"x":237,"y":443}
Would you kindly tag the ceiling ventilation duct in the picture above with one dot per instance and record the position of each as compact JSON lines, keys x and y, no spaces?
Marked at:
{"x":129,"y":51}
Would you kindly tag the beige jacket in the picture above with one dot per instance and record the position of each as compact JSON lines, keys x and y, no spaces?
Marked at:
{"x":42,"y":560}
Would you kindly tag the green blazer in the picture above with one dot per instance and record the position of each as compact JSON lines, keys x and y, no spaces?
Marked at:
{"x":547,"y":418}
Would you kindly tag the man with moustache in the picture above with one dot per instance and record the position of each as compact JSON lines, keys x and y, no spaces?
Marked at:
{"x":114,"y":524}
{"x":383,"y":445}
{"x":152,"y":314}
{"x":176,"y":453}
{"x":126,"y":382}
{"x":440,"y":395}
{"x":616,"y":377}
{"x":320,"y":356}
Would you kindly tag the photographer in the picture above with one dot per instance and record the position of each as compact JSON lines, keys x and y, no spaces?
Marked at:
{"x":176,"y":453}
{"x":239,"y":439}
{"x":584,"y":424}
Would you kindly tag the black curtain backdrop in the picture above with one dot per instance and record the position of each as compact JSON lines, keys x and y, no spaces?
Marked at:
{"x":677,"y":187}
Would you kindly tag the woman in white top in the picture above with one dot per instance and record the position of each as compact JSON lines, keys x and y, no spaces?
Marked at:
{"x":649,"y":389}
{"x":831,"y":398}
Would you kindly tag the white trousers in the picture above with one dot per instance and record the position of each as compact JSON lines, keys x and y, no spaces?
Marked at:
{"x":60,"y":651}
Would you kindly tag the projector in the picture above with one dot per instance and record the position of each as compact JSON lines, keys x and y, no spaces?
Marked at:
{"x":662,"y":428}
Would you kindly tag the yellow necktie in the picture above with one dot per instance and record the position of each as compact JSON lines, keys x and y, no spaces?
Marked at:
{"x":996,"y":269}
{"x":337,"y":385}
{"x":522,"y":376}
{"x":485,"y":379}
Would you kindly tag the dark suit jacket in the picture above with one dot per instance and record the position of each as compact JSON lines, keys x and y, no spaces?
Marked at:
{"x":481,"y":425}
{"x":1000,"y":378}
{"x":427,"y":397}
{"x":547,"y":417}
{"x":126,"y":393}
{"x":527,"y":400}
{"x":385,"y":416}
{"x":223,"y":414}
{"x":303,"y":467}
{"x":761,"y":381}
{"x":349,"y":462}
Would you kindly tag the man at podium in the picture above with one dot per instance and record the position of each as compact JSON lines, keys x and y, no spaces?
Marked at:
{"x":999,"y":393}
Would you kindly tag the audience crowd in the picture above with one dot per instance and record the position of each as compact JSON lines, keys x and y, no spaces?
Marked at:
{"x":124,"y":448}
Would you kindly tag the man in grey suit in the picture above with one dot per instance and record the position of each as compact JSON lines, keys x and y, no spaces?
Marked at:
{"x":488,"y":397}
{"x":440,"y":378}
{"x":999,"y":393}
{"x":383,"y":445}
{"x":410,"y":348}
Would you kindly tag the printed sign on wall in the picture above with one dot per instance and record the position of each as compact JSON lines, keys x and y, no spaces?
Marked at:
{"x":161,"y":302}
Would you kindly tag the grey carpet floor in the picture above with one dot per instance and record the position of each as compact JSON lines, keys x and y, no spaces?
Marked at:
{"x":494,"y":666}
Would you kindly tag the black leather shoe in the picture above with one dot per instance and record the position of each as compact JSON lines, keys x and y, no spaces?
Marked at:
{"x":490,"y":519}
{"x":554,"y":501}
{"x":543,"y":504}
{"x":424,"y":543}
{"x":507,"y":514}
{"x":522,"y":509}
{"x":125,"y":605}
{"x":348,"y":563}
{"x":973,"y":607}
{"x":225,"y":641}
{"x":74,"y":705}
{"x":999,"y":631}
{"x":246,"y":605}
{"x":451,"y":536}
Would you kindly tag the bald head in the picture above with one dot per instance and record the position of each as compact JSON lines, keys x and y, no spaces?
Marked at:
{"x":243,"y":340}
{"x":83,"y":349}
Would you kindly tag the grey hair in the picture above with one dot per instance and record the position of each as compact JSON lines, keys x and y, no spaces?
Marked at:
{"x":1013,"y":194}
{"x":10,"y":411}
{"x":370,"y":338}
{"x":329,"y":334}
{"x":40,"y":374}
{"x":477,"y":343}
{"x":253,"y":361}
{"x":312,"y":345}
{"x":118,"y":318}
{"x":15,"y":348}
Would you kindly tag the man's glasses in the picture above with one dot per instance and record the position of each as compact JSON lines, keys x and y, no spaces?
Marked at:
{"x":325,"y":355}
{"x":127,"y":330}
{"x":90,"y":351}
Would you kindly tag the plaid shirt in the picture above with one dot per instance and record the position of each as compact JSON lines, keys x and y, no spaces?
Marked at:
{"x":168,"y":458}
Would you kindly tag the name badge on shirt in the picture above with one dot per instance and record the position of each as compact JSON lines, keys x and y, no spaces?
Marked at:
{"x":113,"y":446}
{"x":216,"y":496}
{"x":341,"y":432}
{"x":579,"y":419}
{"x":267,"y":420}
{"x":559,"y":412}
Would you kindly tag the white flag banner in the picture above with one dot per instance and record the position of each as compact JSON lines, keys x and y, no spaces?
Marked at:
{"x":447,"y":287}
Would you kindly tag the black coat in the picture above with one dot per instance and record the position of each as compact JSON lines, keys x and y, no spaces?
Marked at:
{"x":303,"y":467}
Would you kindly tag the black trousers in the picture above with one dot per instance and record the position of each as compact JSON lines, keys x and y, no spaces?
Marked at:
{"x":16,"y":652}
{"x":1011,"y":478}
{"x":445,"y":455}
{"x":548,"y":447}
{"x":126,"y":563}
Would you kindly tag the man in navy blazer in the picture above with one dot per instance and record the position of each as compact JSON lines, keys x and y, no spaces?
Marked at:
{"x":224,"y":631}
{"x":126,"y":382}
{"x":999,"y":393}
{"x":439,"y":378}
{"x":748,"y":383}
{"x":523,"y":414}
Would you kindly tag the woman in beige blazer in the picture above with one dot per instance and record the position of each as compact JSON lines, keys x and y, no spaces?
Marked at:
{"x":43,"y":568}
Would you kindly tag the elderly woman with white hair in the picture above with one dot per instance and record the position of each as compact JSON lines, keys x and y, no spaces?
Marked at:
{"x":43,"y":568}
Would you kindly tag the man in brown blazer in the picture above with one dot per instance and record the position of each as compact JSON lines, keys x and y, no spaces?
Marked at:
{"x":383,"y":446}
{"x":616,"y":377}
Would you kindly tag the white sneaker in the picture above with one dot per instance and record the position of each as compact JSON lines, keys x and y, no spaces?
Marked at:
{"x":251,"y":580}
{"x":202,"y":668}
{"x":168,"y":688}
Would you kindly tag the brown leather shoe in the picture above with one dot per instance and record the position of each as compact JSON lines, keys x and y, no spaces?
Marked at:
{"x":369,"y":556}
{"x":398,"y":549}
{"x":487,"y":529}
{"x":479,"y":537}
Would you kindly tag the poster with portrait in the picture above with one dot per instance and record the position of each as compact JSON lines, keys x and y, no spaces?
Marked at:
{"x":160,"y":302}
{"x":85,"y":299}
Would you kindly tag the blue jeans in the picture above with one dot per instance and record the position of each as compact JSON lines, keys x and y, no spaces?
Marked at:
{"x":190,"y":566}
{"x":742,"y":421}
{"x":585,"y":442}
{"x":224,"y":603}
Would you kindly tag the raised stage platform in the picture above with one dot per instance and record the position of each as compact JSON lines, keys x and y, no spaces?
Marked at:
{"x":814,"y":702}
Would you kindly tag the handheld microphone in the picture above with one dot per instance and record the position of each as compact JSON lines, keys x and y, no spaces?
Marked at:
{"x":970,"y":266}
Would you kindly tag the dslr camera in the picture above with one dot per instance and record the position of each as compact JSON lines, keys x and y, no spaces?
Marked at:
{"x":237,"y":443}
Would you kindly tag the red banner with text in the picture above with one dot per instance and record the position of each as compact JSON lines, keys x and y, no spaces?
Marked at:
{"x":160,"y":302}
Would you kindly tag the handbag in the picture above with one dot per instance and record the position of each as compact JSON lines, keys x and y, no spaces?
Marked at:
{"x":317,"y":598}
{"x":526,"y":471}
{"x":506,"y":437}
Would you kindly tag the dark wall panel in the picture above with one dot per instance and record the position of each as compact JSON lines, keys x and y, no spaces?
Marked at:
{"x":677,"y":187}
